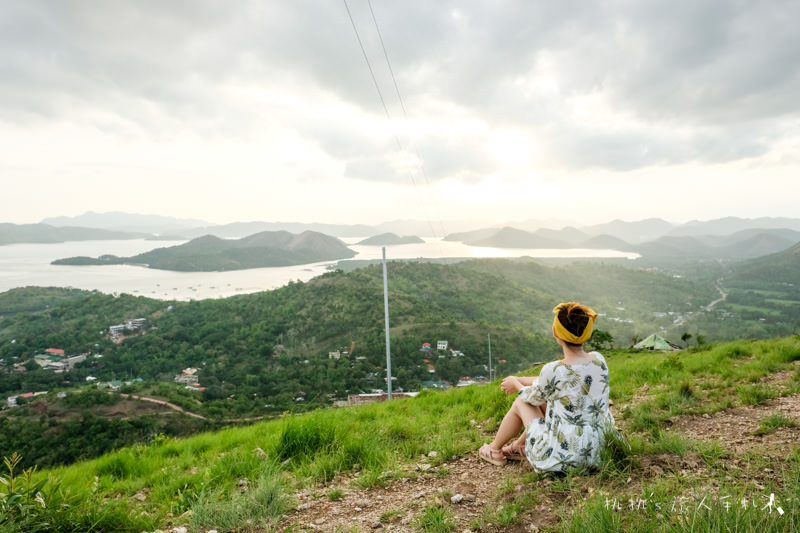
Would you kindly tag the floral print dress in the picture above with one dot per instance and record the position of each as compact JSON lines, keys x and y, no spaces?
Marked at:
{"x":571,"y":435}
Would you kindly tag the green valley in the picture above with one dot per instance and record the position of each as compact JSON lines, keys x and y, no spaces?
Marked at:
{"x":311,"y":345}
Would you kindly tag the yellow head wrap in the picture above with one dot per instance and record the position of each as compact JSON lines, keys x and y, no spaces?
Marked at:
{"x":568,"y":336}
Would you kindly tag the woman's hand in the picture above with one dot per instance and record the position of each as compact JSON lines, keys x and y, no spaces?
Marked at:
{"x":511,"y":385}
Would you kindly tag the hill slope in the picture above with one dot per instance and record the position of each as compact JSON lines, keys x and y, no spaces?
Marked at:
{"x":691,"y":455}
{"x":782,"y":268}
{"x":390,"y":239}
{"x":307,"y":344}
{"x":210,"y":253}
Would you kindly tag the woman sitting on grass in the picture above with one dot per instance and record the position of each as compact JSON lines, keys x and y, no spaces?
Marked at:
{"x":564,"y":410}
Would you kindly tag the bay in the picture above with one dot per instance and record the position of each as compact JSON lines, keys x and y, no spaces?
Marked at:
{"x":23,"y":265}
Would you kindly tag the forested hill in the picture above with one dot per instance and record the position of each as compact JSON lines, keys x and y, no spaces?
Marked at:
{"x":258,"y":343}
{"x":781,"y":268}
{"x":210,"y":253}
{"x":307,"y":344}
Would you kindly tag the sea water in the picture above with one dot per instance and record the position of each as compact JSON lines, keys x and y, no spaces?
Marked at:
{"x":23,"y":265}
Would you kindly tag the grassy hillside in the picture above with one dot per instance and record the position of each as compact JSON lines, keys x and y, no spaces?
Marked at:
{"x":291,"y":472}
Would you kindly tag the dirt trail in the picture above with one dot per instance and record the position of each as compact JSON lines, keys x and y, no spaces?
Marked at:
{"x":181,"y":410}
{"x":172,"y":406}
{"x":466,"y":485}
{"x":722,"y":296}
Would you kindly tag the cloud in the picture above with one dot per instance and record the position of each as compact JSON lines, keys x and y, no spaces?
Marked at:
{"x":486,"y":92}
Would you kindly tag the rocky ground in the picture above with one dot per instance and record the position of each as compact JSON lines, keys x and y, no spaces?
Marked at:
{"x":469,"y":487}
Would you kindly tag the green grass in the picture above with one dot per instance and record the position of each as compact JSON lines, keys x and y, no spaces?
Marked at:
{"x":335,"y":494}
{"x":389,"y":516}
{"x":246,"y":477}
{"x":436,"y":519}
{"x":770,"y":423}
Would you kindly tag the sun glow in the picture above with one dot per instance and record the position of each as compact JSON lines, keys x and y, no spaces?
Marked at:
{"x":512,"y":147}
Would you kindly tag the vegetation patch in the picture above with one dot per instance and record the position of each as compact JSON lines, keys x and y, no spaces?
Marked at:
{"x":772,"y":422}
{"x":674,"y":464}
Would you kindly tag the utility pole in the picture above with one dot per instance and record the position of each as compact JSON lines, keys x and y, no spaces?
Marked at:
{"x":386,"y":315}
{"x":489,"y":335}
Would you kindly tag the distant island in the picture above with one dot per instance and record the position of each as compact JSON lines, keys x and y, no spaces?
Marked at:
{"x":47,"y":234}
{"x":212,"y":254}
{"x":387,"y":239}
{"x":741,"y":244}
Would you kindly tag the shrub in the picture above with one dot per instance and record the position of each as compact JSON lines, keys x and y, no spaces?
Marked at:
{"x":30,"y":503}
{"x":305,"y":437}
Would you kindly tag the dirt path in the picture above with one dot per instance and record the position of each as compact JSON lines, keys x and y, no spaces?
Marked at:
{"x":172,"y":406}
{"x":467,"y":486}
{"x":181,"y":410}
{"x":722,"y":296}
{"x":736,"y":428}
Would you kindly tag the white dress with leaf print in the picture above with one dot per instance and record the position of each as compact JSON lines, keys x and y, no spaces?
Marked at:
{"x":571,"y":435}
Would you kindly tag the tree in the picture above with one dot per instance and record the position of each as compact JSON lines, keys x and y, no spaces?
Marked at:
{"x":685,"y":338}
{"x":701,"y":339}
{"x":601,"y":340}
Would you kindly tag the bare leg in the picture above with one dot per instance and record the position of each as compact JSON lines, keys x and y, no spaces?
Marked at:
{"x":520,"y":414}
{"x":518,"y":446}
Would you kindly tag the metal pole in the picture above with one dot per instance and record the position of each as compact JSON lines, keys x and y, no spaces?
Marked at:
{"x":490,"y":355}
{"x":386,"y":315}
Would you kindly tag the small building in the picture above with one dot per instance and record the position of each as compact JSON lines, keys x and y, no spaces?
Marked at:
{"x":11,"y":401}
{"x":136,"y":323}
{"x":50,"y":362}
{"x":74,"y":360}
{"x":435,"y":384}
{"x":131,"y":325}
{"x":188,"y":376}
{"x":656,"y":342}
{"x":360,"y":399}
{"x":441,"y":345}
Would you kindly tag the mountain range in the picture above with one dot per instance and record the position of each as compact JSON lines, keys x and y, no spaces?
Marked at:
{"x":752,"y":242}
{"x":633,"y":232}
{"x":726,"y":238}
{"x":48,"y":234}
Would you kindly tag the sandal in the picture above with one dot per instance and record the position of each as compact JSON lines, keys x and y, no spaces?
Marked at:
{"x":491,"y":456}
{"x":513,"y":453}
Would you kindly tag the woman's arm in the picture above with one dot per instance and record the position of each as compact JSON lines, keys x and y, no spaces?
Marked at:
{"x":513,"y":384}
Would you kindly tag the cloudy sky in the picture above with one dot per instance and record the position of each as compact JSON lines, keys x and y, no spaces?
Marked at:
{"x":362,"y":112}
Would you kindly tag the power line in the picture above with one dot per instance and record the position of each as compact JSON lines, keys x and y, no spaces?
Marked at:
{"x":386,"y":57}
{"x":364,"y":53}
{"x":383,"y":101}
{"x":402,"y":106}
